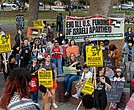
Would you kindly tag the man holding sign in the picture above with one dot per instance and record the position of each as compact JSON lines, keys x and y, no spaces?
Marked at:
{"x":47,"y":66}
{"x":85,"y":75}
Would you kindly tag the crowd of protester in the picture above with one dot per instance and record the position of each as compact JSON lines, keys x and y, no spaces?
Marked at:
{"x":52,"y":54}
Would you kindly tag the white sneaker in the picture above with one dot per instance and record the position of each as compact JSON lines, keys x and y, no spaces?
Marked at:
{"x":75,"y":96}
{"x":55,"y":105}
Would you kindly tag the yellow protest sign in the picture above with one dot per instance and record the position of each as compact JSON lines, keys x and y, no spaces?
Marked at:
{"x":45,"y":78}
{"x":38,"y":24}
{"x":5,"y":44}
{"x":88,"y":87}
{"x":94,"y":56}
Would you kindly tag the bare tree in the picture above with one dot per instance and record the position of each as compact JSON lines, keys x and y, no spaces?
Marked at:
{"x":100,"y":7}
{"x":33,"y":11}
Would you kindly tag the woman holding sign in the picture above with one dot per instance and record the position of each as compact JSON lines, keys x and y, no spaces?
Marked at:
{"x":70,"y":77}
{"x":73,"y":48}
{"x":101,"y":82}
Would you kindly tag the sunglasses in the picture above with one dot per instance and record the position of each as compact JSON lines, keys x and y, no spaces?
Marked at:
{"x":55,"y":42}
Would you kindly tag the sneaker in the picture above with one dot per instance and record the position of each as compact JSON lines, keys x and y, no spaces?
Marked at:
{"x":55,"y":105}
{"x":75,"y":96}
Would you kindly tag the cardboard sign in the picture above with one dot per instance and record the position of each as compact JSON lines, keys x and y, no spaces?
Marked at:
{"x":69,"y":70}
{"x":88,"y":87}
{"x":114,"y":94}
{"x":94,"y":56}
{"x":5,"y":43}
{"x":72,"y":49}
{"x":33,"y":32}
{"x":38,"y":24}
{"x":45,"y":78}
{"x":19,"y":21}
{"x":108,"y":61}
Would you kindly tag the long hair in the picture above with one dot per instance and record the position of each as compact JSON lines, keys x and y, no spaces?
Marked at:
{"x":17,"y":81}
{"x":118,"y":76}
{"x":112,"y":47}
{"x":70,"y":60}
{"x":99,"y":69}
{"x":70,"y":42}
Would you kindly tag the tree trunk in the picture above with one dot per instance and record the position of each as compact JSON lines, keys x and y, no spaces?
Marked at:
{"x":100,"y":7}
{"x":33,"y":11}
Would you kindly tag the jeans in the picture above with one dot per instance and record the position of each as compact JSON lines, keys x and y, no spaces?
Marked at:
{"x":58,"y":63}
{"x":34,"y":96}
{"x":68,"y":81}
{"x":17,"y":57}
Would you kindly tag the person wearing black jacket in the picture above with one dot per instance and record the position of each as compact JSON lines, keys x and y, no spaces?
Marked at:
{"x":12,"y":64}
{"x":101,"y":82}
{"x":25,"y":53}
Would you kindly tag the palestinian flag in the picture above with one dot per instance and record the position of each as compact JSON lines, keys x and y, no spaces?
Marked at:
{"x":33,"y":32}
{"x":115,"y":23}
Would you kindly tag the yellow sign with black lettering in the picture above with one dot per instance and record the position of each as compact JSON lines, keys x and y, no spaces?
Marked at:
{"x":88,"y":87}
{"x":5,"y":43}
{"x":38,"y":24}
{"x":94,"y":56}
{"x":45,"y":78}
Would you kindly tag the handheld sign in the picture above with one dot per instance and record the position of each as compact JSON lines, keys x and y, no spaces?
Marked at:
{"x":73,"y":49}
{"x":88,"y":87}
{"x":38,"y":24}
{"x":69,"y":70}
{"x":20,"y":21}
{"x":114,"y":94}
{"x":94,"y":56}
{"x":5,"y":43}
{"x":108,"y":61}
{"x":45,"y":78}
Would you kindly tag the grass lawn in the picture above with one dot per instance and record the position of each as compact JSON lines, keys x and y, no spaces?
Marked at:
{"x":9,"y":18}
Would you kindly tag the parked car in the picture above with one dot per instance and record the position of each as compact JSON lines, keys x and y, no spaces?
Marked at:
{"x":126,"y":7}
{"x":73,"y":7}
{"x":9,"y":4}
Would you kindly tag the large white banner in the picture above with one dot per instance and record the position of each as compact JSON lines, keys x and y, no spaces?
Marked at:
{"x":95,"y":27}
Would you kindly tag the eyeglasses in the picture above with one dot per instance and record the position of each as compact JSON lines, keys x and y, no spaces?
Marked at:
{"x":55,"y":42}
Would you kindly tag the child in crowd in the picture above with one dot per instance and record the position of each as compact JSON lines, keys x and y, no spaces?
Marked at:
{"x":85,"y":75}
{"x":33,"y":68}
{"x":119,"y":76}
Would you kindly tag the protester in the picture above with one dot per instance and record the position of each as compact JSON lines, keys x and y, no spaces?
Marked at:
{"x":119,"y":76}
{"x":60,"y":37}
{"x":64,"y":48}
{"x":85,"y":75}
{"x":25,"y":53}
{"x":34,"y":67}
{"x":19,"y":35}
{"x":128,"y":50}
{"x":1,"y":32}
{"x":73,"y":48}
{"x":16,"y":49}
{"x":11,"y":65}
{"x":101,"y":82}
{"x":109,"y":73}
{"x":86,"y":43}
{"x":48,"y":65}
{"x":19,"y":97}
{"x":69,"y":78}
{"x":114,"y":53}
{"x":56,"y":53}
{"x":129,"y":33}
